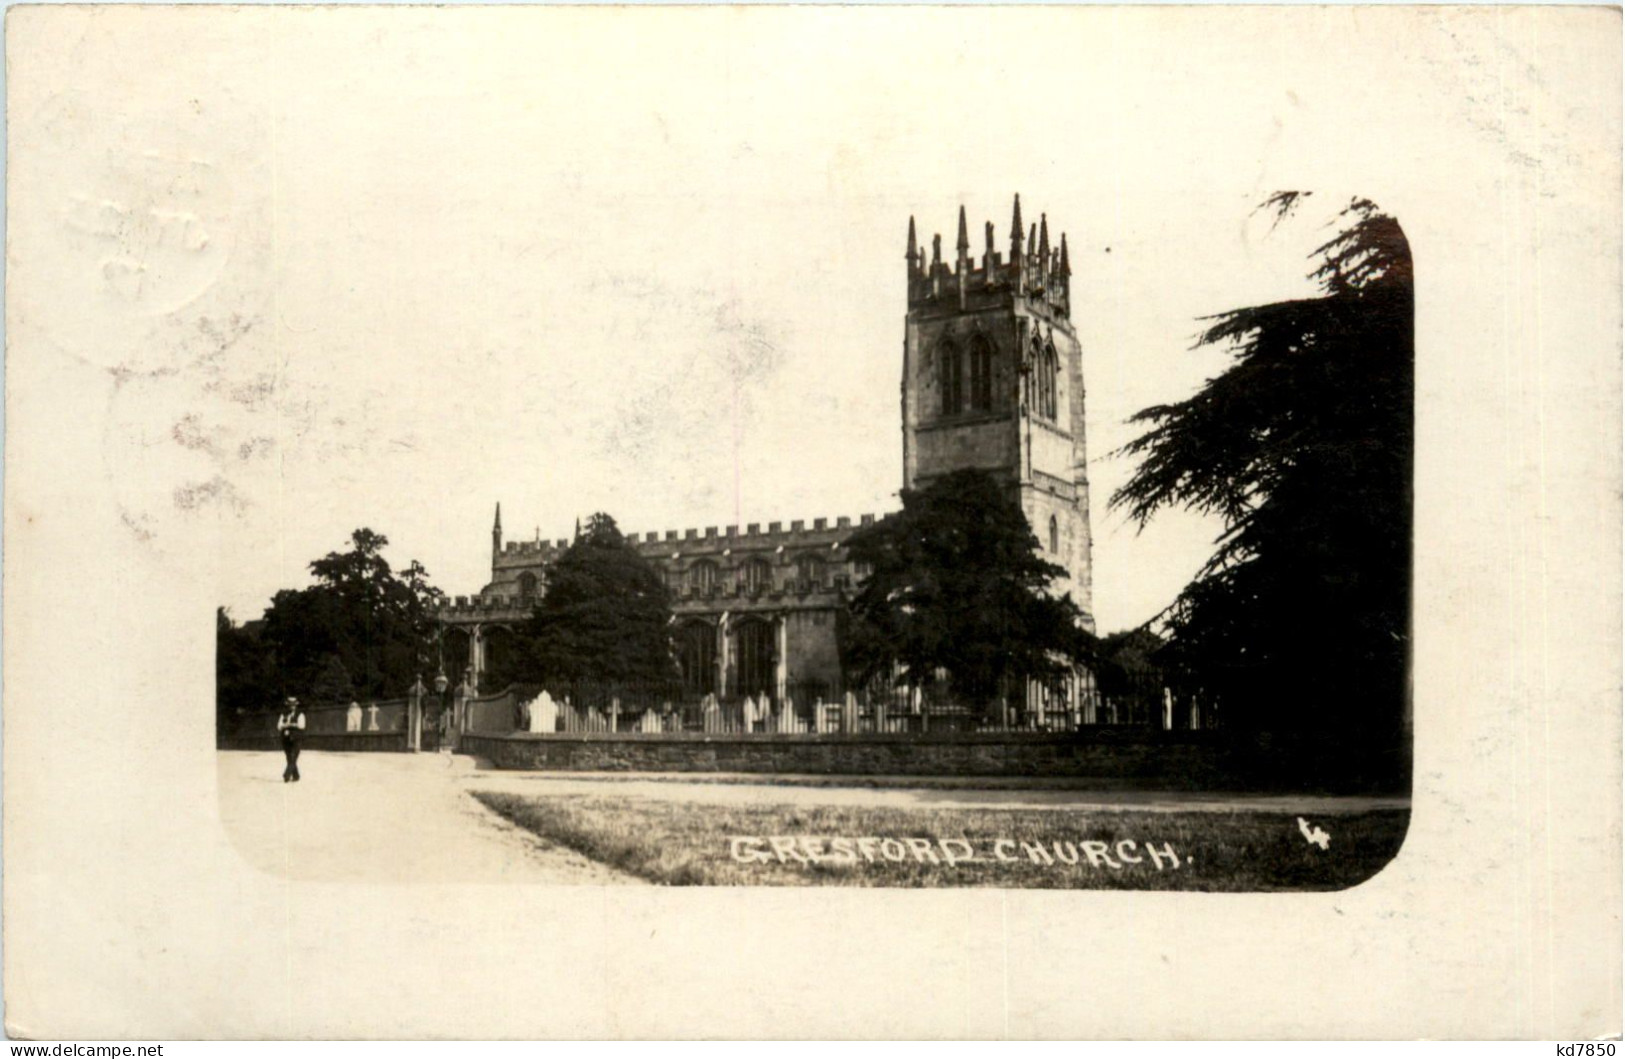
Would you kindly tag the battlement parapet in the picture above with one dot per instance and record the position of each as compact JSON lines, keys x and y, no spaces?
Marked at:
{"x":780,"y":542}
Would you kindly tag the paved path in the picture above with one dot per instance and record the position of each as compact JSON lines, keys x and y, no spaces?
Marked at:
{"x":382,"y":818}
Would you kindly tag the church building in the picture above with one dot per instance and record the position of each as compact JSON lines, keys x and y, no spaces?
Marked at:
{"x":992,"y":378}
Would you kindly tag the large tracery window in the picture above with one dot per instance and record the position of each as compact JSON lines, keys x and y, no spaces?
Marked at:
{"x":697,"y":656}
{"x":527,"y":586}
{"x":757,"y":658}
{"x":951,"y":378}
{"x":1054,"y":535}
{"x":981,"y":375}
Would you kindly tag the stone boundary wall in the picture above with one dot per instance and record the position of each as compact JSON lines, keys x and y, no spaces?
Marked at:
{"x":355,"y":742}
{"x":1195,"y":760}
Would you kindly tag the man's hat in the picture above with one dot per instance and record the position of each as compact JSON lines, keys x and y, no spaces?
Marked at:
{"x":292,"y":701}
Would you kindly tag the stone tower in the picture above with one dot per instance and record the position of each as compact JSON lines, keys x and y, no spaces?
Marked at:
{"x":993,"y":379}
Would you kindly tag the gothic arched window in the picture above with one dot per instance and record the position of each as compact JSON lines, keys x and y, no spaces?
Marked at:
{"x":758,"y":576}
{"x":702,"y":577}
{"x":1054,"y":535}
{"x":756,"y":657}
{"x":1047,"y":381}
{"x":527,"y":585}
{"x":810,"y":571}
{"x":697,"y":656}
{"x":981,"y":375}
{"x":951,"y":377}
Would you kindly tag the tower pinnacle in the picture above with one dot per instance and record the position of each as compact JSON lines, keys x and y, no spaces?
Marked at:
{"x":913,"y":244}
{"x":1015,"y":231}
{"x":964,"y":234}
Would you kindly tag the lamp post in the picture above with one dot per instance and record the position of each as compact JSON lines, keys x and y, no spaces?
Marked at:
{"x":440,"y":683}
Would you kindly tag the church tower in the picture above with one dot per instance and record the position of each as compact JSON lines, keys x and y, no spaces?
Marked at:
{"x":993,"y":379}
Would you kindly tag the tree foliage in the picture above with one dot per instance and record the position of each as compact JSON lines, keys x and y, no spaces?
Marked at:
{"x":958,"y":586}
{"x":362,"y":629}
{"x":605,"y":616}
{"x":1303,"y":447}
{"x":243,"y":681}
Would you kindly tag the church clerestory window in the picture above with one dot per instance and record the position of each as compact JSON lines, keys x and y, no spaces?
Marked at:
{"x":810,"y":572}
{"x":702,"y":578}
{"x":758,"y":576}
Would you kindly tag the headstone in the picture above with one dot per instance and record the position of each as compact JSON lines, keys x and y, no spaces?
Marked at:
{"x":544,"y":714}
{"x":352,"y":718}
{"x":372,"y":717}
{"x":849,"y":713}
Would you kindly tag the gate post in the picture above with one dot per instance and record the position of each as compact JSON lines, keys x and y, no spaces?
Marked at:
{"x":414,"y":715}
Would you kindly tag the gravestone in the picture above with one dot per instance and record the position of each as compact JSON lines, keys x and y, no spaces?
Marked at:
{"x":544,"y":714}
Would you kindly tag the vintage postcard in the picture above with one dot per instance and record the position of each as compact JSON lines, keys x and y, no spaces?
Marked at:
{"x":812,"y":522}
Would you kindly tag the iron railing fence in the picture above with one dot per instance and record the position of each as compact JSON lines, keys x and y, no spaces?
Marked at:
{"x":818,"y":708}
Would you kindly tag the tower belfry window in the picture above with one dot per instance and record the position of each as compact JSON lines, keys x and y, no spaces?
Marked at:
{"x":1054,"y":535}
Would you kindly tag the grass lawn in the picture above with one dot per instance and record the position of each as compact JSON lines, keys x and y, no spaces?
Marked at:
{"x":680,"y":844}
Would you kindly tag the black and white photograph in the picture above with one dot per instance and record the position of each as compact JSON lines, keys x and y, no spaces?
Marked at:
{"x":724,"y":471}
{"x":921,"y":696}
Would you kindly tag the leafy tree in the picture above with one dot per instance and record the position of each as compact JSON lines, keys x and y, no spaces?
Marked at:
{"x":1127,"y":673}
{"x":376,"y":624}
{"x":243,"y":680}
{"x":1303,"y":446}
{"x":959,"y":587}
{"x":332,"y":682}
{"x":605,"y":616}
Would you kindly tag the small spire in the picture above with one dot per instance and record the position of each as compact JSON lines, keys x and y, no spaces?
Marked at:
{"x":498,"y":527}
{"x":1066,"y":265}
{"x":990,"y":240}
{"x":1015,"y":230}
{"x":578,"y":529}
{"x":964,"y":236}
{"x":936,"y":249}
{"x":913,"y":244}
{"x":1032,"y":237}
{"x":1043,"y":237}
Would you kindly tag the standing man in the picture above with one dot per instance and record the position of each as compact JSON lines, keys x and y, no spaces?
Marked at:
{"x":291,"y":726}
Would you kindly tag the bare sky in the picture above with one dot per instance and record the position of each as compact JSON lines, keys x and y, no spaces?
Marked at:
{"x":651,"y":265}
